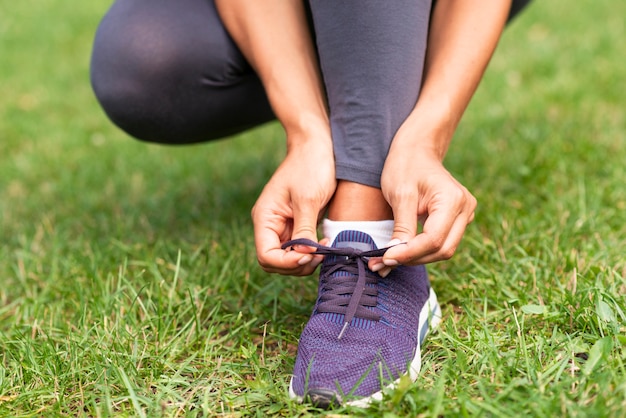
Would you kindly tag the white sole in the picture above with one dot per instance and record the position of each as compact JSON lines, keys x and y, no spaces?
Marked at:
{"x":430,"y":317}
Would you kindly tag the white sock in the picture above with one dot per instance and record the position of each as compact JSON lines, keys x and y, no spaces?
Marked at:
{"x":380,"y":231}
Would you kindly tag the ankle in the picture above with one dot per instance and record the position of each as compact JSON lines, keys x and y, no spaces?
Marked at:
{"x":358,"y":202}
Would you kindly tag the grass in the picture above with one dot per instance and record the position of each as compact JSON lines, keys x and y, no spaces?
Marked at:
{"x":129,"y":281}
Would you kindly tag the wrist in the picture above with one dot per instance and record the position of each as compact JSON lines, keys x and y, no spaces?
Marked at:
{"x":308,"y":130}
{"x":427,"y":131}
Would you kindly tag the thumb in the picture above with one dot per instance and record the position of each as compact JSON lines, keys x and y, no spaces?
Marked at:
{"x":405,"y":220}
{"x":404,"y":229}
{"x":305,"y":224}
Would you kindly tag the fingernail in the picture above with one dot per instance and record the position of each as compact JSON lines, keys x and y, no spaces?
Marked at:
{"x":384,"y":272}
{"x":391,"y":262}
{"x":378,"y":267}
{"x":393,"y":242}
{"x":305,"y":260}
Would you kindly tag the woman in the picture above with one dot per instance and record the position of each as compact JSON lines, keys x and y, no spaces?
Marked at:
{"x":369,"y":94}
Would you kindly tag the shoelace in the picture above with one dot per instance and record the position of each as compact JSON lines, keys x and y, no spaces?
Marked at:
{"x":333,"y":298}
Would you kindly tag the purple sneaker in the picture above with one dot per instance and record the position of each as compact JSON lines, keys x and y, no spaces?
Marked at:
{"x":365,"y":332}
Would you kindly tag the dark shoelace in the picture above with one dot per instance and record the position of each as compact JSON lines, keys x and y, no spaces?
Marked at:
{"x":342,"y":294}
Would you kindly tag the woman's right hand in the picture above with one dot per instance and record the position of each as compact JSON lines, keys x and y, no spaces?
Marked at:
{"x":275,"y":38}
{"x":290,"y":206}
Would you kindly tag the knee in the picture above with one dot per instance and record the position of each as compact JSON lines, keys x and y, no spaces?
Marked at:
{"x":132,"y":70}
{"x":147,"y":70}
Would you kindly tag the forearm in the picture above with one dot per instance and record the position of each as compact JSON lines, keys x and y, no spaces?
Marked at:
{"x":274,"y":37}
{"x":462,"y":39}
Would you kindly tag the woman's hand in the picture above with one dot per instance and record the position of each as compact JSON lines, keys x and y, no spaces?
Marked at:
{"x":462,"y":38}
{"x":275,"y":38}
{"x":290,"y":205}
{"x":421,"y":188}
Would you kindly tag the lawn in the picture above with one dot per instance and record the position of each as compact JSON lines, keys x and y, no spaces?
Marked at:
{"x":130,"y":285}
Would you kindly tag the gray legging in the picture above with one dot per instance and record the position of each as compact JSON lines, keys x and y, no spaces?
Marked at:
{"x":167,"y":71}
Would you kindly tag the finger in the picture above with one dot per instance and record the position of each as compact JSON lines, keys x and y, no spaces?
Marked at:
{"x":302,"y":249}
{"x":385,"y":272}
{"x":435,"y":233}
{"x":432,"y":249}
{"x":285,"y":265}
{"x":273,"y":258}
{"x":449,"y":247}
{"x":270,"y":255}
{"x":286,"y":262}
{"x":307,"y":263}
{"x":405,"y":217}
{"x":455,"y":235}
{"x":375,"y":264}
{"x":317,"y":259}
{"x":305,"y":216}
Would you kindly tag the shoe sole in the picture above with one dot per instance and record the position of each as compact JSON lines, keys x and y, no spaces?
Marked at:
{"x":429,"y":320}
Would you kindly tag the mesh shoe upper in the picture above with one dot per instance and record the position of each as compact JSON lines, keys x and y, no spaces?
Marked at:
{"x":382,"y":315}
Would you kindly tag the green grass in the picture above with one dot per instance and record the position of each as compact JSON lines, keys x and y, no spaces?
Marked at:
{"x":129,"y":281}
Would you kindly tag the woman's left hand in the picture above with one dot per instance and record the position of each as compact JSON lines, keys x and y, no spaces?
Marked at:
{"x":419,"y":187}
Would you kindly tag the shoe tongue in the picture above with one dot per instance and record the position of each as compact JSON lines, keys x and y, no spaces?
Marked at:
{"x":354,"y":239}
{"x":352,"y":244}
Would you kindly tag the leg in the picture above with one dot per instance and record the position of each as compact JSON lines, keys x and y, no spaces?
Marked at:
{"x":167,"y":71}
{"x":371,"y":57}
{"x":365,"y":331}
{"x":356,"y":43}
{"x":387,"y":52}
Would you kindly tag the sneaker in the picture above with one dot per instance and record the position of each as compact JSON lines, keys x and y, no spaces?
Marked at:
{"x":365,"y":331}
